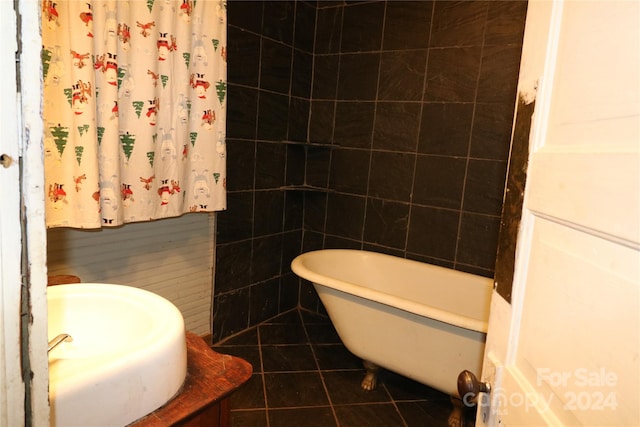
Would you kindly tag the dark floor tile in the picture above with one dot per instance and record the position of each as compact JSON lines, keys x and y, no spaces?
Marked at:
{"x":335,"y":356}
{"x":298,"y":398}
{"x":309,"y":318}
{"x":373,"y":415}
{"x":287,"y":390}
{"x":250,"y":353}
{"x":248,"y":337}
{"x":282,"y":334}
{"x":250,"y":395}
{"x":289,"y":317}
{"x":323,"y":334}
{"x":249,"y":418}
{"x":279,"y":358}
{"x":344,"y":388}
{"x":430,"y":413}
{"x":307,"y":417}
{"x":402,"y":388}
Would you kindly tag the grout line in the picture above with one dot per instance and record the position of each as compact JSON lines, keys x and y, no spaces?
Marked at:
{"x":287,"y":196}
{"x":264,"y":380}
{"x":373,"y":128}
{"x":468,"y":157}
{"x":331,"y":404}
{"x":255,"y":163}
{"x":417,"y":149}
{"x":301,"y":407}
{"x":393,"y":402}
{"x":315,"y":359}
{"x":333,"y":131}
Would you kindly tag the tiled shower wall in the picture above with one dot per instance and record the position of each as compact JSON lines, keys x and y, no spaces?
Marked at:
{"x":415,"y":100}
{"x":269,"y":81}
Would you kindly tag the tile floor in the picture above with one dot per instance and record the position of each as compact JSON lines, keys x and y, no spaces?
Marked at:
{"x":304,"y":377}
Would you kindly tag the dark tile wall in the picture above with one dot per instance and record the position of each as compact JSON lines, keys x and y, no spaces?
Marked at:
{"x":416,"y":99}
{"x":270,"y":53}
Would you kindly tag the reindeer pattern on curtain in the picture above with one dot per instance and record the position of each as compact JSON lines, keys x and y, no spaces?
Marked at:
{"x":134,"y":110}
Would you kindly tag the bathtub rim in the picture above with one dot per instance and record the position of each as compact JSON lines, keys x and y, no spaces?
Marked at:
{"x":300,"y":269}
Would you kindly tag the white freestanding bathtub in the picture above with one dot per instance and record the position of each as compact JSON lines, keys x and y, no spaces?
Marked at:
{"x":422,"y":321}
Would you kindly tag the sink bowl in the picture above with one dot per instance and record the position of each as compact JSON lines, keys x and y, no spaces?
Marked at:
{"x":126,"y":358}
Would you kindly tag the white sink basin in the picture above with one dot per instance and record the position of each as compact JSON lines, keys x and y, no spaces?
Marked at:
{"x":127,"y":356}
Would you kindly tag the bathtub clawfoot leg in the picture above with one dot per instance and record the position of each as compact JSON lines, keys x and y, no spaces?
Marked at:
{"x":370,"y":381}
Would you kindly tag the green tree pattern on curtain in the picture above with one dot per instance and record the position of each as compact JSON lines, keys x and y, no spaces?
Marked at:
{"x":130,"y":76}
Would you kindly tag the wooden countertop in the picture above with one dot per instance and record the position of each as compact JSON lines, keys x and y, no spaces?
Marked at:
{"x":62,"y":279}
{"x":211,"y":377}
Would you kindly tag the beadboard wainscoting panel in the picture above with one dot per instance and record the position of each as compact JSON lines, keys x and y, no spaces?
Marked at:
{"x":172,"y":257}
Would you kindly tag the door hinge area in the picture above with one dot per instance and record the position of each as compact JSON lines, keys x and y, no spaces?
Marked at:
{"x":18,"y":56}
{"x":18,"y":45}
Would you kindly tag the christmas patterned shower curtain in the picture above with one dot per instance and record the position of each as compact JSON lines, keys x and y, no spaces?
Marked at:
{"x":134,"y":110}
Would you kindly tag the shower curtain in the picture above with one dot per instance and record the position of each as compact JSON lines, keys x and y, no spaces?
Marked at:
{"x":134,"y":110}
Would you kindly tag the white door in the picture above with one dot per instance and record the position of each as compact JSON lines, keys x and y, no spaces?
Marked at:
{"x":22,"y":245}
{"x":566,"y":350}
{"x":11,"y":385}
